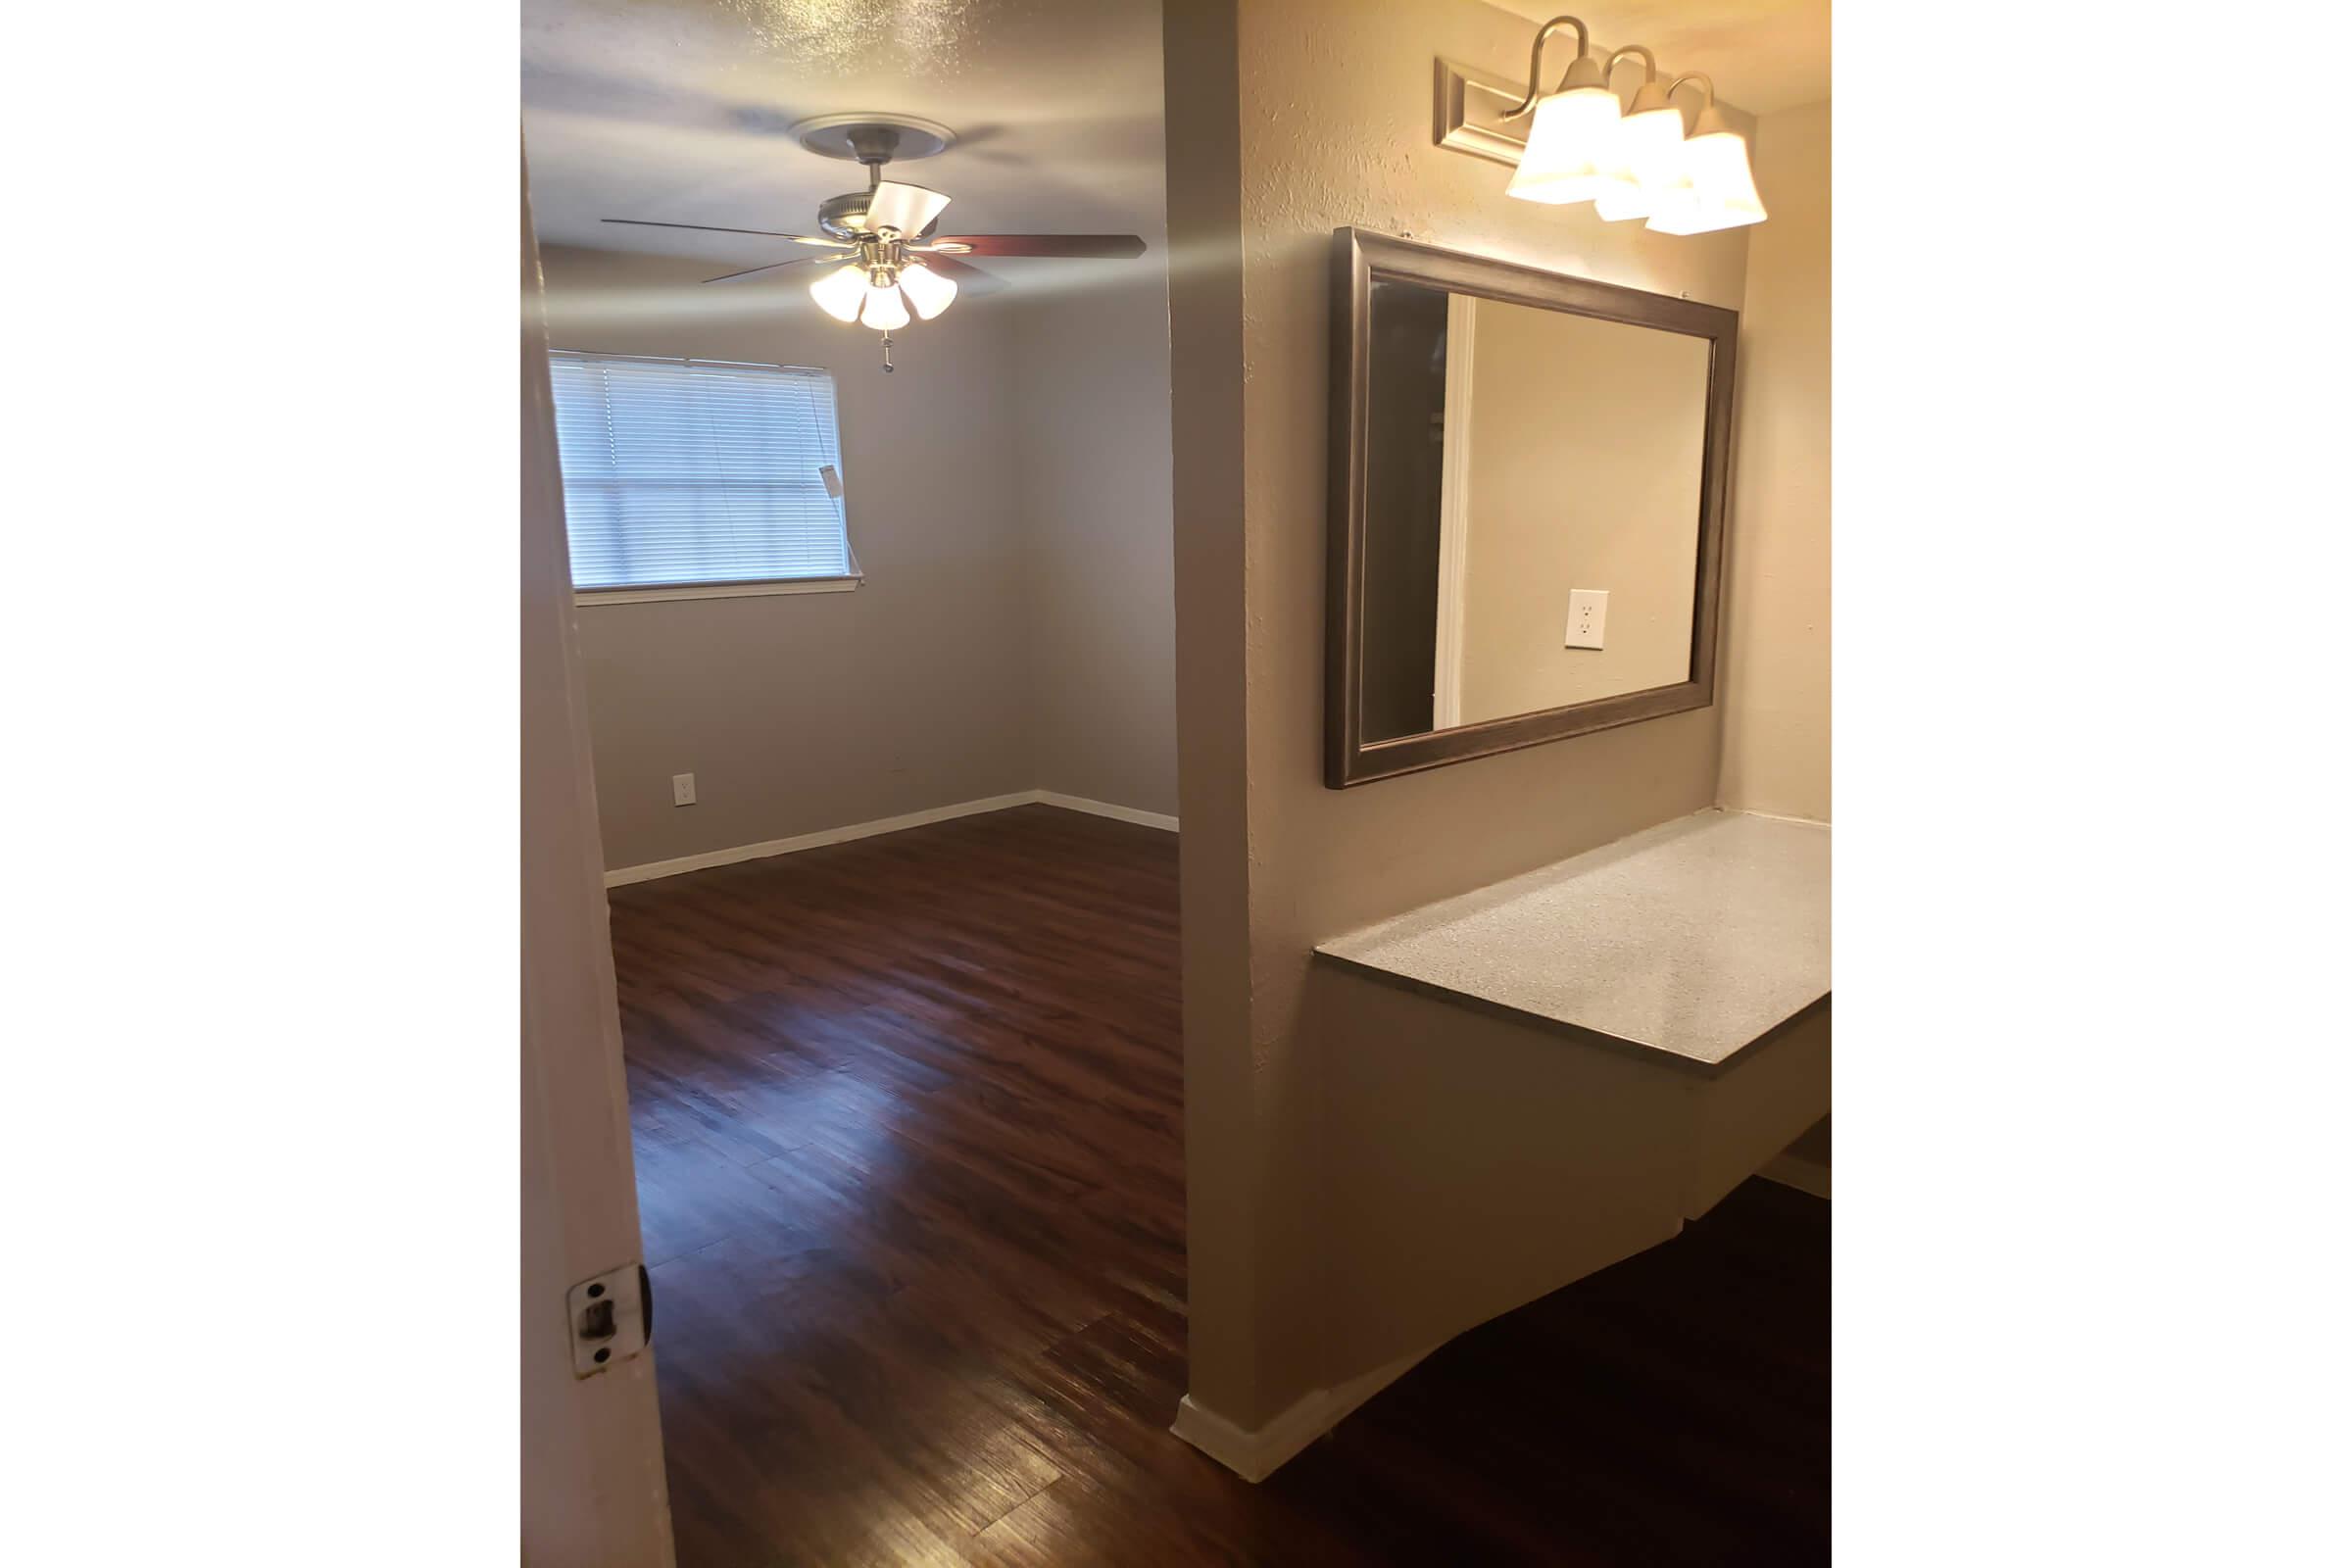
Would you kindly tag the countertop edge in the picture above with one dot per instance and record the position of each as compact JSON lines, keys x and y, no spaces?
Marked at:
{"x":1583,"y":1034}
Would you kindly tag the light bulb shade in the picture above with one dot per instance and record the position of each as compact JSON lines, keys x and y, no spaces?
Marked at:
{"x":905,"y":207}
{"x":884,"y":309}
{"x":840,"y":292}
{"x":1716,"y":190}
{"x":927,"y":291}
{"x":1571,"y":148}
{"x":1648,"y":164}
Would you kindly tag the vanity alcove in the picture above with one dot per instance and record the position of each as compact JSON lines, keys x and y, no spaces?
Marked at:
{"x":1528,"y":528}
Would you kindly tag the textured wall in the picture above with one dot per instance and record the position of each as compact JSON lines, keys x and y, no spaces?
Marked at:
{"x":1092,"y":410}
{"x":1333,"y":110}
{"x":1010,"y":505}
{"x":796,"y":712}
{"x":1776,"y":663}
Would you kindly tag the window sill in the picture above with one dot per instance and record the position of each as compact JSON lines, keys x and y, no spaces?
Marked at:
{"x":715,"y":590}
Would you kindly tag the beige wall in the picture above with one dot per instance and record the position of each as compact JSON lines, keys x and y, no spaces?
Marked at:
{"x":796,"y":712}
{"x":1776,"y":755}
{"x":1333,"y":115}
{"x":1008,"y":506}
{"x":1092,"y":402}
{"x":1587,"y":442}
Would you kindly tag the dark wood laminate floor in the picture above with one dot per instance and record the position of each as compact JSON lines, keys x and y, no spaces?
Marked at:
{"x":910,"y":1159}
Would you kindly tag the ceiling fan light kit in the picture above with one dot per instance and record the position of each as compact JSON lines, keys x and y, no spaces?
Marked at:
{"x":1629,"y":161}
{"x":899,"y":268}
{"x":926,"y":290}
{"x":884,"y":308}
{"x":840,"y":293}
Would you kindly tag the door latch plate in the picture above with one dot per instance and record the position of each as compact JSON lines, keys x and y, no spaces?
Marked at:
{"x":612,"y":1318}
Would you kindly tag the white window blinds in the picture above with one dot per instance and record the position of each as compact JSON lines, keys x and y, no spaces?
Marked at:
{"x":685,"y":472}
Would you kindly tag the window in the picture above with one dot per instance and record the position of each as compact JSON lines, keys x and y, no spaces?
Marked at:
{"x":689,"y":476}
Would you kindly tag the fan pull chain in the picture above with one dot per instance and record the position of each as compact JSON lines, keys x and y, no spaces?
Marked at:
{"x":886,"y":366}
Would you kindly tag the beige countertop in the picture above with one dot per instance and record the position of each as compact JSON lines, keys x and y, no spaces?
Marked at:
{"x":1693,"y":939}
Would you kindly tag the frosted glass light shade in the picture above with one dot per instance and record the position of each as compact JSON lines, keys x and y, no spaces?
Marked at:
{"x":927,"y":291}
{"x":840,"y":292}
{"x":1571,"y":148}
{"x":884,"y":310}
{"x":905,"y":207}
{"x":1649,"y":163}
{"x":1717,"y":189}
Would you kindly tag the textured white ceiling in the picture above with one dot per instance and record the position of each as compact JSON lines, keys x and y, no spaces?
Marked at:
{"x":1762,"y":55}
{"x":676,"y":110}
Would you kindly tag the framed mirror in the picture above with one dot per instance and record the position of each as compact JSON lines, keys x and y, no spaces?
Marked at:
{"x":1528,"y":474}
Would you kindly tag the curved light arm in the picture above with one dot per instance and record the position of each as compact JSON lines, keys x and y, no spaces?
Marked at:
{"x":1649,"y":62}
{"x":1699,"y":76}
{"x":1535,"y":61}
{"x":1708,"y":118}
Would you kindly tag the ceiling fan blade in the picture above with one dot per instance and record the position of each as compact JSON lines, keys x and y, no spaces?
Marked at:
{"x":754,"y":271}
{"x":1110,"y":245}
{"x":962,"y":274}
{"x":707,"y":229}
{"x":908,"y":209}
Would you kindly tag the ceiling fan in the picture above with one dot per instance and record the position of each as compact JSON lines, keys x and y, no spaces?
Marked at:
{"x":887,"y":236}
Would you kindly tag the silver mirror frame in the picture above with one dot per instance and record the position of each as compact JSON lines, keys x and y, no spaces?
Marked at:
{"x":1359,"y":256}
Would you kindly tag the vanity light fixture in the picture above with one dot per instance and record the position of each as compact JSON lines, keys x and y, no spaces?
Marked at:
{"x":1572,"y":145}
{"x":1633,"y":162}
{"x":1714,"y":187}
{"x":1650,"y":140}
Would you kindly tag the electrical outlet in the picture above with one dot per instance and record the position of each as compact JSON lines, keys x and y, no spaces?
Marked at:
{"x":681,"y":789}
{"x":1587,"y":616}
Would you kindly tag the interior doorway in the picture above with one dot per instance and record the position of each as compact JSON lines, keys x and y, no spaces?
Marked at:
{"x":858,"y":367}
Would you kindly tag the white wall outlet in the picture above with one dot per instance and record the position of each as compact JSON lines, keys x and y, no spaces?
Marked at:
{"x":1587,"y":616}
{"x":681,"y":789}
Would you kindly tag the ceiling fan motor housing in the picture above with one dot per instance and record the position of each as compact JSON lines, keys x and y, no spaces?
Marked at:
{"x":844,"y":216}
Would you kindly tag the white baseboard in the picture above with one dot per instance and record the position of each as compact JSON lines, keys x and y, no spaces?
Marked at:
{"x":1257,"y":1454}
{"x":651,"y":871}
{"x":1801,"y":1174}
{"x":1123,"y":813}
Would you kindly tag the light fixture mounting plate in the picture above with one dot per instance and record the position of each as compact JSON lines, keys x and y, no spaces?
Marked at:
{"x":864,"y":138}
{"x":1469,"y":118}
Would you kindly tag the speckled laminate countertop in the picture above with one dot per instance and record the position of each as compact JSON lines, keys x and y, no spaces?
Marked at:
{"x":1694,"y":939}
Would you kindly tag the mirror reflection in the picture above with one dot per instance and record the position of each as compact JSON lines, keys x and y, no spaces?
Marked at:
{"x":1531,"y":509}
